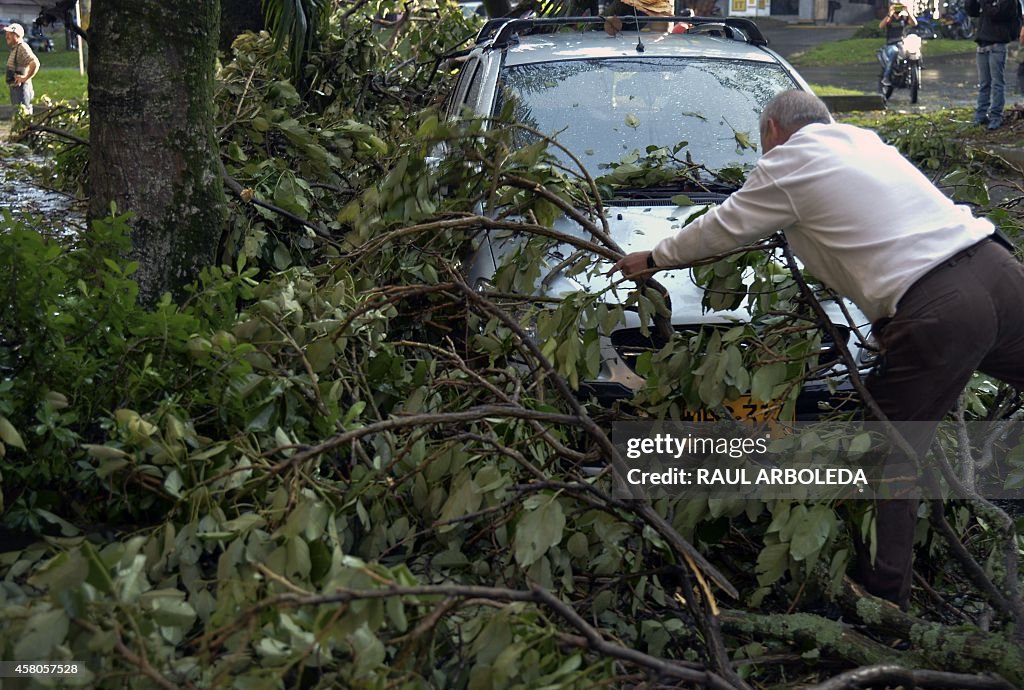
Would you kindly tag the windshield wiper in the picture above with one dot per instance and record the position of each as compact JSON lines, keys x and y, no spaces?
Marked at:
{"x":703,"y":193}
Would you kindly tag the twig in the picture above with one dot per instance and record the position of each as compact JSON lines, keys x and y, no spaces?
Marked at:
{"x":590,"y":637}
{"x":139,"y":661}
{"x":236,"y":187}
{"x":880,"y":675}
{"x":59,"y":133}
{"x":693,"y":558}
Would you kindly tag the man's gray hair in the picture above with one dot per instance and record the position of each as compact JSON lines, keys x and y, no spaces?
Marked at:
{"x":791,"y":110}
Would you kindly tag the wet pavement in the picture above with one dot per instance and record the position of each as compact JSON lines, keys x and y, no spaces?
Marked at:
{"x":25,"y":195}
{"x":946,"y":81}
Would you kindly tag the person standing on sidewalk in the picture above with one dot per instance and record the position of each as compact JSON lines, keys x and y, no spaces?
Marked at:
{"x":999,"y":23}
{"x":22,"y":65}
{"x":833,"y":5}
{"x":895,"y":23}
{"x":943,"y":294}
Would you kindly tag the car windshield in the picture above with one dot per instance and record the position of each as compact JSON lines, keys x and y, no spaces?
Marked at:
{"x":605,"y":109}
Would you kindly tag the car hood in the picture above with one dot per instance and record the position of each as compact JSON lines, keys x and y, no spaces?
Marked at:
{"x":634,"y":226}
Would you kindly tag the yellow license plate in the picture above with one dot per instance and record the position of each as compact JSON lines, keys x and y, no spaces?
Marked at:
{"x":743,"y":408}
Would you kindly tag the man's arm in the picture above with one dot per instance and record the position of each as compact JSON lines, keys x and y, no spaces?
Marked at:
{"x":30,"y":71}
{"x":757,"y":210}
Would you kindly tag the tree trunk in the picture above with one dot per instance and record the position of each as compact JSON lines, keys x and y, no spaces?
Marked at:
{"x":153,"y":150}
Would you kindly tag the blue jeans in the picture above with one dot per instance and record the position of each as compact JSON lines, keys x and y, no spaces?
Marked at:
{"x":889,"y":53}
{"x":22,"y":95}
{"x":991,"y":83}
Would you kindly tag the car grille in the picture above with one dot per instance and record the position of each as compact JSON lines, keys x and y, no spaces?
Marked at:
{"x":630,"y":343}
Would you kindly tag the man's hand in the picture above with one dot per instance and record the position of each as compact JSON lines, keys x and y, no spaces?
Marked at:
{"x":634,"y":266}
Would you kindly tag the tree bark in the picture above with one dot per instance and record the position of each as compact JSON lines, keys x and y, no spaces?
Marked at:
{"x":153,"y":149}
{"x":956,"y":649}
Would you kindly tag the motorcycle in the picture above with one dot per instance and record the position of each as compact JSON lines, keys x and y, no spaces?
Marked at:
{"x":927,"y":27}
{"x":906,"y":68}
{"x":955,"y":23}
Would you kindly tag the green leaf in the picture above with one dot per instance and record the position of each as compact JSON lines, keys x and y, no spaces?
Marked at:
{"x":743,"y":141}
{"x":764,"y":380}
{"x":860,"y":444}
{"x":320,"y":354}
{"x":169,"y":608}
{"x":811,"y":533}
{"x":42,"y":633}
{"x":538,"y":530}
{"x":772,"y":563}
{"x":10,"y":435}
{"x":465,"y":499}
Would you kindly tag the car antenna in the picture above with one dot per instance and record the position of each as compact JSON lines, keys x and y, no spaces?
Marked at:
{"x":636,"y":22}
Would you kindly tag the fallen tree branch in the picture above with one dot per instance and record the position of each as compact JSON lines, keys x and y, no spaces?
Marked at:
{"x":960,"y":648}
{"x":138,"y":661}
{"x":696,"y":561}
{"x":589,"y":638}
{"x":975,"y":573}
{"x":247,"y":196}
{"x":815,"y":632}
{"x":880,"y":675}
{"x":1012,"y":603}
{"x":74,"y":138}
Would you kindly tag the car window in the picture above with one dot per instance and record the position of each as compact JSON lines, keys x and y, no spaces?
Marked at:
{"x":604,"y":109}
{"x":468,"y":79}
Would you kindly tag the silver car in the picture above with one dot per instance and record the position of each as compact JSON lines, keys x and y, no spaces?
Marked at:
{"x":699,"y":81}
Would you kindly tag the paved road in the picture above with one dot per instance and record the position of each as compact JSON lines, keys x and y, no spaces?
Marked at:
{"x":946,"y":81}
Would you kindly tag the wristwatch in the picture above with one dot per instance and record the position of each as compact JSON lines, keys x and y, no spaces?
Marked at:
{"x":651,"y":265}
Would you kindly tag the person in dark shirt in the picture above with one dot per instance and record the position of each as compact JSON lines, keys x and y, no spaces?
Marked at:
{"x":833,"y":5}
{"x":999,"y":23}
{"x":895,"y":23}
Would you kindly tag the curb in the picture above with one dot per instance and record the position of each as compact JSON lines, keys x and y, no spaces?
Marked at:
{"x":846,"y":104}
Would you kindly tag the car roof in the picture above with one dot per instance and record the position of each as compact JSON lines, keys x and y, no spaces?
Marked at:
{"x":597,"y":44}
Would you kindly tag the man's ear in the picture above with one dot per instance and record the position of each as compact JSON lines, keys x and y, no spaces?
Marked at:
{"x":770,"y":134}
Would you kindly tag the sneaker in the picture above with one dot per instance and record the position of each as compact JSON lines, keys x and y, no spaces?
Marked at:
{"x":994,"y":124}
{"x":980,"y":121}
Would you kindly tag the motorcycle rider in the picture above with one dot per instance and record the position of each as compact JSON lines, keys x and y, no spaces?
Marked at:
{"x":895,"y":23}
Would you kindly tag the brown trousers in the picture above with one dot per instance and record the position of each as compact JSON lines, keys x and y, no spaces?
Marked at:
{"x":966,"y":315}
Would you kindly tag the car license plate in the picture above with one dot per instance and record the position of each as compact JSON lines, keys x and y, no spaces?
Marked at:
{"x":743,"y":408}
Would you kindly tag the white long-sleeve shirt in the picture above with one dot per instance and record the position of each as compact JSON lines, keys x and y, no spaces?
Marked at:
{"x":858,"y":214}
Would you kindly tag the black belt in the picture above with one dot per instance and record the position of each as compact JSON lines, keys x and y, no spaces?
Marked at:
{"x":964,"y":253}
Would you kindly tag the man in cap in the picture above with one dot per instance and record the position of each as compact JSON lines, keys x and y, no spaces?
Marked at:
{"x":22,"y":65}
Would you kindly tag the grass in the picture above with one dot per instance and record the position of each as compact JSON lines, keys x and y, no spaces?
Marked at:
{"x":854,"y":51}
{"x":58,"y":76}
{"x":824,"y":90}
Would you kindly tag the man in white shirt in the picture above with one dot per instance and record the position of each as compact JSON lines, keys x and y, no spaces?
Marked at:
{"x":945,"y":300}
